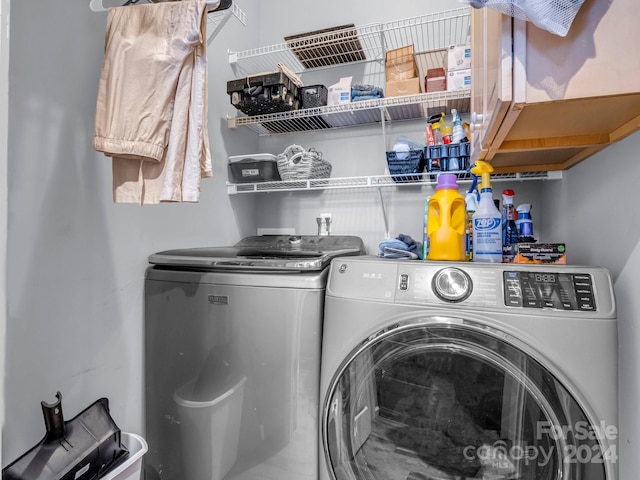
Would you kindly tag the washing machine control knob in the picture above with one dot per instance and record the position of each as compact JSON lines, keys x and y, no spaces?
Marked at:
{"x":452,"y":284}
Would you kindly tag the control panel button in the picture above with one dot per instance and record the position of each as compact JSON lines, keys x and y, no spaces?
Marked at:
{"x":557,"y":290}
{"x":404,"y":282}
{"x":452,"y":285}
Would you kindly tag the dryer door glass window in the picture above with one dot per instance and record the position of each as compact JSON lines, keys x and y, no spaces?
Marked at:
{"x":453,"y":401}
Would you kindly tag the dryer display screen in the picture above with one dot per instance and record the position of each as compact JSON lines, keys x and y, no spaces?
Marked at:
{"x":563,"y":291}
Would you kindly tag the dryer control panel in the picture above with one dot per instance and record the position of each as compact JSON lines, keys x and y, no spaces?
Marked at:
{"x":539,"y":289}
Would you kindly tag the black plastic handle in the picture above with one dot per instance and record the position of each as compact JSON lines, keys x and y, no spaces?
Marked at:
{"x":53,"y":418}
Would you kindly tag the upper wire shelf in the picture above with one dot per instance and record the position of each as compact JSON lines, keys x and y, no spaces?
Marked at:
{"x":427,"y":33}
{"x":408,"y":107}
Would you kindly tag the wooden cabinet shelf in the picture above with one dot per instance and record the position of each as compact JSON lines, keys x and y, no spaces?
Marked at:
{"x":547,"y":102}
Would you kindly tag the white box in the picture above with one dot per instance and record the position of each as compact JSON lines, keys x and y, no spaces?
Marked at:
{"x":131,"y":468}
{"x":458,"y":57}
{"x":458,"y":79}
{"x":340,"y":92}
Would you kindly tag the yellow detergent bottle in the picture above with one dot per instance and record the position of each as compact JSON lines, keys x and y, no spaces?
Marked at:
{"x":447,"y":221}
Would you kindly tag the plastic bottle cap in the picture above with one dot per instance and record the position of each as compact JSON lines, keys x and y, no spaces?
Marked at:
{"x":507,"y":196}
{"x":447,"y":180}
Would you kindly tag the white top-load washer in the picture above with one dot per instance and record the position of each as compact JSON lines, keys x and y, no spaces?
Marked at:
{"x":232,"y":358}
{"x":443,"y":370}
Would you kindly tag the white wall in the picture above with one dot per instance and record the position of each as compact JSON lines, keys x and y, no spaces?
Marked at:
{"x":76,"y":261}
{"x":4,"y":114}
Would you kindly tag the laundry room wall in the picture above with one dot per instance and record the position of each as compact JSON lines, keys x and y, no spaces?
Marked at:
{"x":4,"y":110}
{"x":76,"y":261}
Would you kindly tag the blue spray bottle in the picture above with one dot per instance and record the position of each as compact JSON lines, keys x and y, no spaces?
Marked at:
{"x":525,"y":223}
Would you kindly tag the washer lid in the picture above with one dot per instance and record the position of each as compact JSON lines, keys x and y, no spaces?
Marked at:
{"x":266,"y":252}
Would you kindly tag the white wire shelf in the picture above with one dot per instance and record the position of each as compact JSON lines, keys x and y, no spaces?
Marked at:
{"x":408,"y":107}
{"x":218,"y":18}
{"x":427,"y":33}
{"x":378,"y":181}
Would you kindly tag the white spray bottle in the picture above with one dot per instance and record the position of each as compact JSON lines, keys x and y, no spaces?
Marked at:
{"x":487,"y":220}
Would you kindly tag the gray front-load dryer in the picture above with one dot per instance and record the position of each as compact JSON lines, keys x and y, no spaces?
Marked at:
{"x":460,"y":371}
{"x":232,"y":339}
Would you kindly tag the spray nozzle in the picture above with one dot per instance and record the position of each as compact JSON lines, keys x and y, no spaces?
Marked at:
{"x":474,"y":184}
{"x":524,"y":208}
{"x":507,"y":196}
{"x":455,"y":117}
{"x":483,"y":169}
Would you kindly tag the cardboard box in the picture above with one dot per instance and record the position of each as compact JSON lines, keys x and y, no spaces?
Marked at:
{"x":340,"y":92}
{"x":541,"y":253}
{"x":400,"y":55}
{"x":458,"y":57}
{"x":458,"y":79}
{"x":401,"y":71}
{"x":400,"y":64}
{"x":397,"y":88}
{"x":435,"y":80}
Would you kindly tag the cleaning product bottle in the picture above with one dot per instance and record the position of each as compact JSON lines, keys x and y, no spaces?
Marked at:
{"x":447,"y":133}
{"x":509,"y":216}
{"x":446,"y":221}
{"x":487,"y":220}
{"x":457,"y":136}
{"x":425,"y":231}
{"x":434,"y":140}
{"x":471,"y":205}
{"x":458,"y":130}
{"x":525,"y":223}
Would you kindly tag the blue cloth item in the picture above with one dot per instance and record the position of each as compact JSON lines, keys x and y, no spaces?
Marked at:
{"x":360,"y":98}
{"x":361,"y":92}
{"x":366,"y":88}
{"x":403,"y":247}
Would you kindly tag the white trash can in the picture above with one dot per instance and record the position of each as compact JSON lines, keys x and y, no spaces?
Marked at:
{"x":131,"y":468}
{"x":209,"y":430}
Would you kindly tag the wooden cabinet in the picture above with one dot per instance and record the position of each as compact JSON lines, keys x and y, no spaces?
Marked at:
{"x":544,"y":102}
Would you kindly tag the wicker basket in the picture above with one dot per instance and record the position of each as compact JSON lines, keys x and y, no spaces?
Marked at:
{"x":296,"y":163}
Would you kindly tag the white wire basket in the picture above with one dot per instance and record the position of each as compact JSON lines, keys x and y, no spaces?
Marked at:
{"x":296,"y":163}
